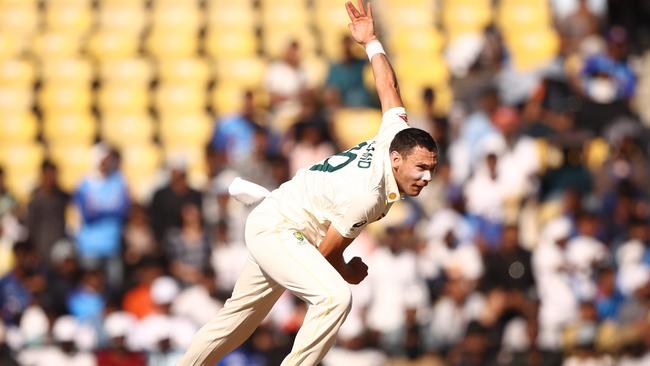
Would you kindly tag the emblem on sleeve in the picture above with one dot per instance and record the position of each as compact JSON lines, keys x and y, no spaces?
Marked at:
{"x":359,"y":224}
{"x":299,"y":236}
{"x":404,"y":117}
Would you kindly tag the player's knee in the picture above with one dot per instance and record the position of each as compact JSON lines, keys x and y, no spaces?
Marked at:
{"x":341,"y":299}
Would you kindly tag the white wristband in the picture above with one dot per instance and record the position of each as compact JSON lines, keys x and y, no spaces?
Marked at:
{"x":374,"y":47}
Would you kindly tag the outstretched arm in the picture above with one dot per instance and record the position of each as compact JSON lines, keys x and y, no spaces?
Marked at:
{"x":363,"y":32}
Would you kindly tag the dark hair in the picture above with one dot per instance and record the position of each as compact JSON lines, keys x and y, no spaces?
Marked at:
{"x":407,"y":139}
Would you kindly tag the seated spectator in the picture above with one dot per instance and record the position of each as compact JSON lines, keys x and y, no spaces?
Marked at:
{"x":188,"y":247}
{"x":344,"y":85}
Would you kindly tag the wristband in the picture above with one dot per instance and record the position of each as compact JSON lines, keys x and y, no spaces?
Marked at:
{"x":374,"y":47}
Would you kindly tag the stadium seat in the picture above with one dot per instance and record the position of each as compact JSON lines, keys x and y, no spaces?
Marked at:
{"x":53,"y":44}
{"x":126,"y":130}
{"x":185,"y":130}
{"x":179,"y":99}
{"x":163,"y":44}
{"x":126,"y":72}
{"x":275,"y":41}
{"x":108,"y":44}
{"x":465,"y":16}
{"x":177,"y":17}
{"x":329,"y":16}
{"x":232,"y":43}
{"x":140,"y":165}
{"x":425,"y":42}
{"x":55,"y":97}
{"x":195,"y":157}
{"x":10,"y":45}
{"x":120,"y":99}
{"x":403,"y":16}
{"x":17,"y":128}
{"x":127,"y":17}
{"x":69,"y":128}
{"x":285,"y":15}
{"x":74,"y":163}
{"x":16,"y":99}
{"x":22,"y":165}
{"x":245,"y":72}
{"x":316,"y":69}
{"x":68,"y":17}
{"x":19,"y":18}
{"x":532,"y":49}
{"x":330,"y":42}
{"x":17,"y":73}
{"x":432,"y":71}
{"x":524,"y":15}
{"x":70,"y":71}
{"x":352,"y":125}
{"x":191,"y":71}
{"x":411,"y":93}
{"x":226,"y":98}
{"x":240,"y":17}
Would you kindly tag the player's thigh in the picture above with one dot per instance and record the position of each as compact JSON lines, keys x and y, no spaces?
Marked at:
{"x":293,"y":262}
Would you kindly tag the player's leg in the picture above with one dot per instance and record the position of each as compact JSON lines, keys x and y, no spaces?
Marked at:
{"x":299,"y":267}
{"x":252,"y":298}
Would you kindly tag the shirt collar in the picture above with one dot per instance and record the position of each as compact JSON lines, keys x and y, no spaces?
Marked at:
{"x":392,"y":191}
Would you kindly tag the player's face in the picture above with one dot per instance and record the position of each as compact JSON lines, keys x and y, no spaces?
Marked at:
{"x":415,"y":170}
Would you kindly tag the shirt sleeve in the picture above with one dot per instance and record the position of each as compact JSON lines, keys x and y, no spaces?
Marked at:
{"x":351,"y":217}
{"x":393,"y":121}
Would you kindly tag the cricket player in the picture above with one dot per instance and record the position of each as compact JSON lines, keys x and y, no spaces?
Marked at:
{"x":296,"y":236}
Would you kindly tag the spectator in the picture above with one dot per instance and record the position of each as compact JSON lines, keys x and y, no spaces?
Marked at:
{"x":577,"y":26}
{"x":167,"y":202}
{"x":286,"y":81}
{"x":139,"y":239}
{"x":187,"y":247}
{"x":46,"y":212}
{"x":344,"y":85}
{"x":117,"y":325}
{"x":233,"y":135}
{"x":228,"y":257}
{"x":19,"y":287}
{"x":103,"y":201}
{"x":309,"y":146}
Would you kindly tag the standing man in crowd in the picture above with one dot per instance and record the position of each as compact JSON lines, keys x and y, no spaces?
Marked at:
{"x":296,"y":236}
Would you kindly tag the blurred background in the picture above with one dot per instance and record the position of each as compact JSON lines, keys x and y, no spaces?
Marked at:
{"x":122,"y":122}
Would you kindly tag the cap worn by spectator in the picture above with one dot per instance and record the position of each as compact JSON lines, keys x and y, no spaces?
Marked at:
{"x":164,"y":290}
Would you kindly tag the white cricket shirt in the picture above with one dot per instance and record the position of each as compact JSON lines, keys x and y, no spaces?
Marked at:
{"x":348,"y":190}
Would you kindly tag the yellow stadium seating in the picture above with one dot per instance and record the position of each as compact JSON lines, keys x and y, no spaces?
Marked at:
{"x":127,"y":72}
{"x":275,"y":41}
{"x":17,"y":128}
{"x":77,"y":71}
{"x":55,"y":97}
{"x":17,"y":73}
{"x":432,"y":71}
{"x":330,"y":16}
{"x":195,"y":156}
{"x":532,"y":48}
{"x":465,"y":16}
{"x":178,"y":17}
{"x":16,"y":99}
{"x":53,"y":44}
{"x":330,"y":41}
{"x":285,"y":15}
{"x":240,"y":16}
{"x":19,"y":18}
{"x":523,"y":15}
{"x":192,"y":71}
{"x":185,"y":130}
{"x":69,"y":128}
{"x":401,"y":16}
{"x":21,"y":163}
{"x":226,"y":98}
{"x":245,"y":72}
{"x":74,"y":163}
{"x":127,"y":17}
{"x":425,"y":42}
{"x":411,"y":93}
{"x":107,"y":44}
{"x":140,"y":165}
{"x":179,"y":99}
{"x":10,"y":45}
{"x":352,"y":125}
{"x":125,"y":130}
{"x":117,"y":98}
{"x":172,"y":44}
{"x":232,"y":43}
{"x":316,"y":69}
{"x":68,"y":17}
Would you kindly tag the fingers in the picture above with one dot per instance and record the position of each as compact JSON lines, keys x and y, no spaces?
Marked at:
{"x":352,"y":11}
{"x":369,"y":11}
{"x":362,"y":9}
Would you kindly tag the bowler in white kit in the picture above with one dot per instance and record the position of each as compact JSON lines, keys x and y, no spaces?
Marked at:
{"x":296,"y":236}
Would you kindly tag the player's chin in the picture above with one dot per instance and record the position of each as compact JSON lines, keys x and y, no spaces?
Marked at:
{"x":415,"y":190}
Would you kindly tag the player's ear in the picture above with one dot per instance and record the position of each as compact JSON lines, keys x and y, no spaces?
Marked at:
{"x":396,"y":159}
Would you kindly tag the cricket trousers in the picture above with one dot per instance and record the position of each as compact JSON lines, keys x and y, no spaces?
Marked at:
{"x":280,"y":260}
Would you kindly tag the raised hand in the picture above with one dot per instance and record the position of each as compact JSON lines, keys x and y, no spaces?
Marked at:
{"x":361,"y":23}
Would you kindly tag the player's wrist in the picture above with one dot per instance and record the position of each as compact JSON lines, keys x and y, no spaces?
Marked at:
{"x":373,"y":47}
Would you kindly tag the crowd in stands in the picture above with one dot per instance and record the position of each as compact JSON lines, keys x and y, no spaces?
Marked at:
{"x":531,"y":246}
